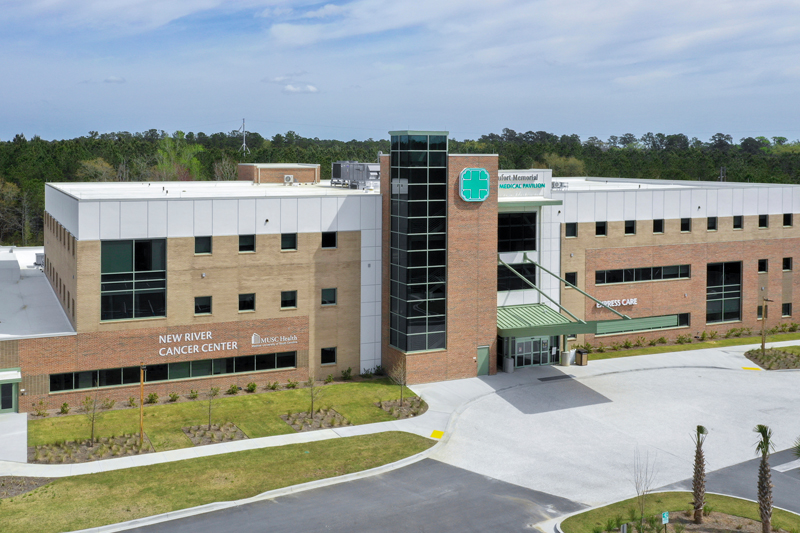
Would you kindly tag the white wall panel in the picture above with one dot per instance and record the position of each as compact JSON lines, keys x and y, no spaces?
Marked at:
{"x":349,"y":213}
{"x":687,"y":208}
{"x":368,"y":212}
{"x":738,"y":205}
{"x":699,"y":203}
{"x":308,"y":215}
{"x":775,"y":195}
{"x":330,"y":211}
{"x":247,"y":217}
{"x":712,"y":199}
{"x":368,"y":238}
{"x":157,"y":219}
{"x":795,"y":199}
{"x":570,"y":207}
{"x":226,"y":217}
{"x":725,"y":203}
{"x":109,"y":220}
{"x":658,"y":205}
{"x":368,"y":293}
{"x":88,"y":221}
{"x":203,"y":218}
{"x":288,"y":215}
{"x":367,"y":331}
{"x":644,"y":205}
{"x":601,"y":206}
{"x":672,"y":204}
{"x":180,"y":218}
{"x":586,"y":207}
{"x":511,"y":298}
{"x":629,"y":205}
{"x":786,"y":197}
{"x":133,"y":220}
{"x":63,"y":208}
{"x":763,"y":201}
{"x":616,"y":201}
{"x":268,"y":216}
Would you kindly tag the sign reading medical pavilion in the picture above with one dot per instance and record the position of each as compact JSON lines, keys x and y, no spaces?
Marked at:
{"x":474,"y":184}
{"x":523,"y":182}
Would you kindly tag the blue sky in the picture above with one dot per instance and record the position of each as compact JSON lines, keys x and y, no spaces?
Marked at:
{"x":354,"y":70}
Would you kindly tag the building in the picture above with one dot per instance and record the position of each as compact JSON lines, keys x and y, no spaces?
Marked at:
{"x":451,"y":268}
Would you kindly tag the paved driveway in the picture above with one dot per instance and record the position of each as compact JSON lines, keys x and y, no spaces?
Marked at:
{"x":575,"y":437}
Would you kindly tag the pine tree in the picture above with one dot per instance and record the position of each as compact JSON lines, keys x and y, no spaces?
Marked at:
{"x":699,"y":478}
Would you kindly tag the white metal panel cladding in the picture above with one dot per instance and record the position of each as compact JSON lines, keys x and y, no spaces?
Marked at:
{"x":88,"y":221}
{"x":738,"y":204}
{"x":63,"y":208}
{"x":109,"y":220}
{"x":157,"y":219}
{"x":699,"y":203}
{"x":644,"y":205}
{"x":288,"y":215}
{"x":133,"y":220}
{"x":686,"y":205}
{"x":349,"y":213}
{"x":330,"y":209}
{"x":268,"y":216}
{"x":763,"y":201}
{"x":629,"y":205}
{"x":712,"y":203}
{"x":585,"y":203}
{"x":180,"y":218}
{"x":658,"y":205}
{"x":725,"y":203}
{"x":203,"y":217}
{"x":775,"y":199}
{"x":368,"y":212}
{"x":309,"y":212}
{"x":226,"y":217}
{"x":672,"y":204}
{"x":614,"y":207}
{"x":795,"y":199}
{"x":600,"y":206}
{"x":786,"y":198}
{"x":247,"y":217}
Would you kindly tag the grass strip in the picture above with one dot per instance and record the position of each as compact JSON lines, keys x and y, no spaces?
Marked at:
{"x":675,"y":502}
{"x":257,"y":415}
{"x":93,"y":500}
{"x":718,"y":343}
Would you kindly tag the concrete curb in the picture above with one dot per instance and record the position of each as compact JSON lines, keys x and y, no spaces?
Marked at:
{"x":554,"y":525}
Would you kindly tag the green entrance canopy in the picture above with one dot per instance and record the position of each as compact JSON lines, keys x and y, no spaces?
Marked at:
{"x":531,"y":320}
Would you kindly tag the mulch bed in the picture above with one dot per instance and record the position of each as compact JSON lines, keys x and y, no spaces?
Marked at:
{"x":411,"y":407}
{"x":714,"y":523}
{"x":81,"y":452}
{"x":202,"y":435}
{"x":11,"y":486}
{"x":322,"y":419}
{"x":774,"y":359}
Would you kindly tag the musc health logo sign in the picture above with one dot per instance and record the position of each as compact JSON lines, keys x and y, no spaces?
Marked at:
{"x":474,"y":184}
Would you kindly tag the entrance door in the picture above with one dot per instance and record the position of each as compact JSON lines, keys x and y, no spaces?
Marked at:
{"x":533,"y":351}
{"x":7,"y":397}
{"x":483,"y":360}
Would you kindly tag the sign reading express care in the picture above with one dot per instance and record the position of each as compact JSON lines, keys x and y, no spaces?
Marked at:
{"x":617,"y":303}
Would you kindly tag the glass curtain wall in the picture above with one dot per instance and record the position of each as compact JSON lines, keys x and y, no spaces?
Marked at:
{"x":133,"y":281}
{"x":418,"y":245}
{"x":724,"y":292}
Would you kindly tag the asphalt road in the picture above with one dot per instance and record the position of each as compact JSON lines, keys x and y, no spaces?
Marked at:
{"x":741,"y":480}
{"x":428,"y":496}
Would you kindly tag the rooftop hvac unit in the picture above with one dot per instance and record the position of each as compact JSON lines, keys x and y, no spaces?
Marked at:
{"x":288,"y":179}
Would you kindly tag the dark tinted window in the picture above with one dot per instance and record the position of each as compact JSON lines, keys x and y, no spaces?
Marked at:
{"x":630,"y":227}
{"x":328,"y":239}
{"x":288,"y":241}
{"x":571,"y":277}
{"x":763,"y":221}
{"x":738,"y":222}
{"x":787,"y":263}
{"x":288,"y":299}
{"x":327,"y":356}
{"x":787,"y":219}
{"x":572,"y":229}
{"x":516,"y":232}
{"x":247,"y":302}
{"x":686,"y":224}
{"x":658,"y":225}
{"x":712,"y":224}
{"x":247,"y":243}
{"x":202,"y":305}
{"x":600,"y":228}
{"x":328,"y":296}
{"x":202,"y":245}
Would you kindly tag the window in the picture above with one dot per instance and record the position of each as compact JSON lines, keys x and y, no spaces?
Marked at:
{"x":327,"y":356}
{"x":133,"y":279}
{"x":247,"y":243}
{"x":202,"y":245}
{"x":763,"y":265}
{"x":787,"y":263}
{"x":571,"y":277}
{"x":600,"y":229}
{"x":288,"y":299}
{"x":786,"y":309}
{"x":328,"y":239}
{"x":516,"y":232}
{"x":723,"y":292}
{"x":328,"y":296}
{"x":738,"y":222}
{"x":202,"y":305}
{"x":572,"y":229}
{"x":630,"y":227}
{"x":658,"y":225}
{"x":787,"y":219}
{"x":760,"y":312}
{"x":288,"y":241}
{"x":712,"y":224}
{"x":247,"y":302}
{"x":618,"y":327}
{"x":508,"y":281}
{"x":763,"y":221}
{"x":686,"y":225}
{"x":627,"y":275}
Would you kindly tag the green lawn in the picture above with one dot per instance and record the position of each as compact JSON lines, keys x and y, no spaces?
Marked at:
{"x":257,"y":415}
{"x":675,"y":502}
{"x":93,"y":500}
{"x":717,"y":343}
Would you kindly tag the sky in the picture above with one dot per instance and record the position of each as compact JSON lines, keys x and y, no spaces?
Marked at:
{"x":358,"y":69}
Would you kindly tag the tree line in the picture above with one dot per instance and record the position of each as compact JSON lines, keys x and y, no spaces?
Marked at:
{"x":155,"y":155}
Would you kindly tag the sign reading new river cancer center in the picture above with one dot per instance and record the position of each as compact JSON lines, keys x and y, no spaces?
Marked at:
{"x":204,"y":342}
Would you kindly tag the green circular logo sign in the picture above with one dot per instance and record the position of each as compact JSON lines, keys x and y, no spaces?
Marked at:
{"x":474,"y":184}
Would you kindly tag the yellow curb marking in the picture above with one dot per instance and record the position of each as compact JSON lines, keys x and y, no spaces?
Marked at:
{"x":437,"y":434}
{"x":749,"y":368}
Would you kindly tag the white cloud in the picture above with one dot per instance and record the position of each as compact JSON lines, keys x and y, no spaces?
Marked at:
{"x":328,"y":10}
{"x":299,"y":89}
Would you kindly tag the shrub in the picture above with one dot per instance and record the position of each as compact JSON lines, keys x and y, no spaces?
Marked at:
{"x":627,"y":344}
{"x":747,"y":331}
{"x":712,"y":335}
{"x":639,"y":342}
{"x":292,"y":384}
{"x":662,"y":340}
{"x":193,"y":394}
{"x":251,"y":387}
{"x":379,"y":370}
{"x":40,"y":409}
{"x":366,"y":373}
{"x":615,"y":346}
{"x":773,"y":331}
{"x":793,"y":327}
{"x":684,"y":339}
{"x":233,"y":389}
{"x":347,"y":375}
{"x":152,"y":398}
{"x":131,"y":402}
{"x":173,"y":397}
{"x":601,"y":348}
{"x":679,"y":528}
{"x":107,"y":404}
{"x":329,"y":379}
{"x":653,"y":342}
{"x":588,"y":347}
{"x":703,"y":336}
{"x":273,"y":386}
{"x":610,"y":527}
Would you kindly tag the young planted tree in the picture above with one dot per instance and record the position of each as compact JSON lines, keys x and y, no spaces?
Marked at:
{"x":399,"y":376}
{"x":92,"y":409}
{"x":315,"y":393}
{"x":764,"y":446}
{"x":211,"y":395}
{"x":644,"y":473}
{"x":699,"y":478}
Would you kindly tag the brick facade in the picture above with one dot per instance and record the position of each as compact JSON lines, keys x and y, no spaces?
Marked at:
{"x":274,"y":173}
{"x":471,"y":280}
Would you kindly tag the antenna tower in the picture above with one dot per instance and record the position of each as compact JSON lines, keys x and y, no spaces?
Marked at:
{"x":244,"y":149}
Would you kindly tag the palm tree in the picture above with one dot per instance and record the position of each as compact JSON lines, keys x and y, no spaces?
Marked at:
{"x":763,"y":447}
{"x":796,"y":448}
{"x":699,"y":479}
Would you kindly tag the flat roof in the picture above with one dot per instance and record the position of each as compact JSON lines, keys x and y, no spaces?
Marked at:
{"x":576,"y":184}
{"x":28,"y":305}
{"x":150,"y":190}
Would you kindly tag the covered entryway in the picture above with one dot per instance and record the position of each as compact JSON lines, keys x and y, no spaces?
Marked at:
{"x":9,"y":383}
